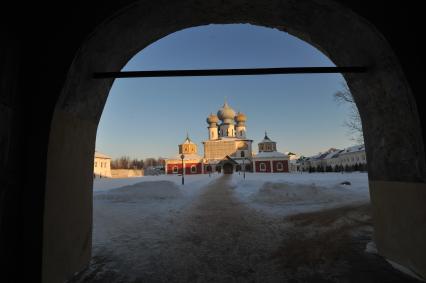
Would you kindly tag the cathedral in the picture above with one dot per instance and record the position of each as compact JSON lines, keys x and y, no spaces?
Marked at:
{"x":227,"y":149}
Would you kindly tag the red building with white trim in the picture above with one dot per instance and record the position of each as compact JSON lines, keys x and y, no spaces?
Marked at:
{"x":192,"y":162}
{"x":269,"y":160}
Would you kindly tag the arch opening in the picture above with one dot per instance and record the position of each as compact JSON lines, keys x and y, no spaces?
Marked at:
{"x":384,"y":99}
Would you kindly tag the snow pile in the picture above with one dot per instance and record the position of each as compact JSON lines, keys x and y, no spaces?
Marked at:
{"x":279,"y":193}
{"x":192,"y":182}
{"x":142,"y":191}
{"x":285,"y":194}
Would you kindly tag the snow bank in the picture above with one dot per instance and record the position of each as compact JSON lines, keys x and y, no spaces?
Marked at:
{"x":285,"y":194}
{"x":192,"y":182}
{"x":142,"y":191}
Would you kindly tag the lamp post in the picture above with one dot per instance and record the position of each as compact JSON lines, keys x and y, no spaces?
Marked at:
{"x":244,"y":169}
{"x":183,"y":169}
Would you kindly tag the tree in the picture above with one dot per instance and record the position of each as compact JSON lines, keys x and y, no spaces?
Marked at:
{"x":124,"y":162}
{"x":347,"y":168}
{"x":353,"y":123}
{"x":150,"y":162}
{"x":161,"y":161}
{"x":337,"y":168}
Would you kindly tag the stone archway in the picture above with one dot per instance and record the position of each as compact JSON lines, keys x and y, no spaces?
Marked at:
{"x":389,"y":115}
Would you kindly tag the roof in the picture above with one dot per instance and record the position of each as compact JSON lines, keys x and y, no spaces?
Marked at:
{"x":355,"y":148}
{"x":187,"y":140}
{"x":192,"y":156}
{"x":334,"y":153}
{"x":101,"y":155}
{"x":270,"y":154}
{"x":266,"y":138}
{"x":227,"y":159}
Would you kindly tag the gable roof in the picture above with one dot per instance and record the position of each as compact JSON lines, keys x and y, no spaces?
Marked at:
{"x":101,"y":155}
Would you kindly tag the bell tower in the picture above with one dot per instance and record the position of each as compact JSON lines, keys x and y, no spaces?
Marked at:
{"x":187,"y":147}
{"x":212,"y":120}
{"x":226,"y":114}
{"x":240,"y":126}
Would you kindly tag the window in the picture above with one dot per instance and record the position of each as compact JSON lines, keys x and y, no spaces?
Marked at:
{"x":243,"y":154}
{"x":280,"y":166}
{"x":175,"y":169}
{"x":193,"y":169}
{"x":262,"y":166}
{"x":96,"y":164}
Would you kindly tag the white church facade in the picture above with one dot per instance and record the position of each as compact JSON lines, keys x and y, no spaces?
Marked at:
{"x":227,"y":149}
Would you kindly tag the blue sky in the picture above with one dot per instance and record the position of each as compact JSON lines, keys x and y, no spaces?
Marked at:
{"x":148,"y":117}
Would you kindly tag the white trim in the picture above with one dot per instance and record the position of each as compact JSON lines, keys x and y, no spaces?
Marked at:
{"x":264,"y":166}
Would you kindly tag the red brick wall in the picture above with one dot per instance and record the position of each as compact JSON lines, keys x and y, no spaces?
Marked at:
{"x":267,"y":165}
{"x":275,"y":166}
{"x":187,"y":168}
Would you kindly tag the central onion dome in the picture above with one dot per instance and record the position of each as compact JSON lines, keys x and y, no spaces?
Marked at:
{"x":240,"y":118}
{"x":212,"y":119}
{"x":226,"y":113}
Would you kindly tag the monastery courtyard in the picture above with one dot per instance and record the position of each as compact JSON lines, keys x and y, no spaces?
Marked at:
{"x":224,"y":228}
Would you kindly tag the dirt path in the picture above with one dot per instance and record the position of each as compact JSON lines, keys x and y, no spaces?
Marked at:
{"x":219,"y":239}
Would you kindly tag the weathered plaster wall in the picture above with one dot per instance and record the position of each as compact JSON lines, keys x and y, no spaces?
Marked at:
{"x":67,"y":229}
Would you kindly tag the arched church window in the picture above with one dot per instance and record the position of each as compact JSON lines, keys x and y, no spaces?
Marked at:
{"x":175,"y":169}
{"x":193,"y":169}
{"x":280,"y":166}
{"x":243,"y":153}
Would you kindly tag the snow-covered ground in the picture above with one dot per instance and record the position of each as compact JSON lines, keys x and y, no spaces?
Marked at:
{"x":192,"y":182}
{"x":277,"y":194}
{"x":285,"y":194}
{"x":122,"y":206}
{"x":155,"y":229}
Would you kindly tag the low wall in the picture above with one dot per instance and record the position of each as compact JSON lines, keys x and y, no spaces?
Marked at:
{"x":125,"y":173}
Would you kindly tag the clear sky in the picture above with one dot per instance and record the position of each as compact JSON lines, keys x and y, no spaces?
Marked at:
{"x":148,"y":117}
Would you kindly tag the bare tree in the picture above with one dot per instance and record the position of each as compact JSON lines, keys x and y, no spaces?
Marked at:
{"x":353,"y":123}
